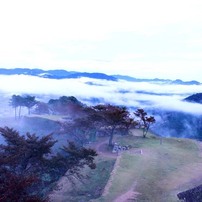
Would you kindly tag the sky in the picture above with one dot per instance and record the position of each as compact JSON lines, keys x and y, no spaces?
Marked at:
{"x":144,"y":39}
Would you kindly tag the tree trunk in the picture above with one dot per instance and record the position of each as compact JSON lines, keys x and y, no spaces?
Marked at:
{"x":145,"y":131}
{"x":15,"y":113}
{"x":111,"y":137}
{"x":126,"y":131}
{"x":19,"y":112}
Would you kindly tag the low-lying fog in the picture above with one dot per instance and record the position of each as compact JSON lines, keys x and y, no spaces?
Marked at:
{"x":130,"y":94}
{"x":174,"y":116}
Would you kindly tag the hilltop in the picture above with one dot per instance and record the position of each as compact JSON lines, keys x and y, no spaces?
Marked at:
{"x":155,"y":169}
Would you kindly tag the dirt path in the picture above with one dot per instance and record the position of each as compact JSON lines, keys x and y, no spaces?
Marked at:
{"x":109,"y":183}
{"x":130,"y":194}
{"x":102,"y":149}
{"x":178,"y":174}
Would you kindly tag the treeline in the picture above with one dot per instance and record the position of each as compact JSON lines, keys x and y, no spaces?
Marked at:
{"x":18,"y":101}
{"x":63,"y":106}
{"x":87,"y":121}
{"x":108,"y":120}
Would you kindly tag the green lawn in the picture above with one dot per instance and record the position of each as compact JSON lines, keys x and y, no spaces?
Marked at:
{"x":154,"y":170}
{"x":160,"y":172}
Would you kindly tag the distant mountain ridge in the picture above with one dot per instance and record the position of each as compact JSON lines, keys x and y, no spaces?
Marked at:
{"x":63,"y":74}
{"x":196,"y":98}
{"x":55,"y":74}
{"x":157,"y":80}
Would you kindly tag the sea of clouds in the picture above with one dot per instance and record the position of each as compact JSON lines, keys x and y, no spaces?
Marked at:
{"x":130,"y":94}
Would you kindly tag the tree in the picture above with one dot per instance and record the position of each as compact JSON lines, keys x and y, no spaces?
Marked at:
{"x":16,"y":101}
{"x":128,"y":124}
{"x":82,"y":129}
{"x":29,"y":163}
{"x":77,"y":158}
{"x":15,"y":188}
{"x":78,"y":130}
{"x":19,"y":101}
{"x":22,"y":163}
{"x":144,"y":121}
{"x":41,"y":108}
{"x":29,"y":102}
{"x":24,"y":154}
{"x":113,"y":118}
{"x":65,"y":105}
{"x":14,"y":104}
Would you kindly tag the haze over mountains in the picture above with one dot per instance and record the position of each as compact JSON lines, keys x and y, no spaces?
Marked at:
{"x":94,"y":88}
{"x":63,"y":74}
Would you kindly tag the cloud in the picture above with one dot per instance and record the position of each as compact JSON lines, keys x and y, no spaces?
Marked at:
{"x":130,"y":94}
{"x":195,"y":42}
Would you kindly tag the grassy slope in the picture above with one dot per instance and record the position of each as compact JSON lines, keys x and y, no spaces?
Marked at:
{"x":88,"y":189}
{"x":160,"y":172}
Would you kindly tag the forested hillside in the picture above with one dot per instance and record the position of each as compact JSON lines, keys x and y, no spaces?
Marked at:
{"x":40,"y":158}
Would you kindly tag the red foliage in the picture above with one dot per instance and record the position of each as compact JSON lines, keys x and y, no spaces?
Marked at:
{"x":15,"y":188}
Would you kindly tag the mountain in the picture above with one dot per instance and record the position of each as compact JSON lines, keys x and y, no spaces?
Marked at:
{"x":157,"y":80}
{"x":63,"y":74}
{"x":180,"y":82}
{"x":126,"y":78}
{"x":55,"y":74}
{"x":129,"y":78}
{"x":196,"y":98}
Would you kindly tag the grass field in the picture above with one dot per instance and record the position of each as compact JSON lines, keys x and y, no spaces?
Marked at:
{"x":164,"y":169}
{"x":155,"y":170}
{"x":89,"y":188}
